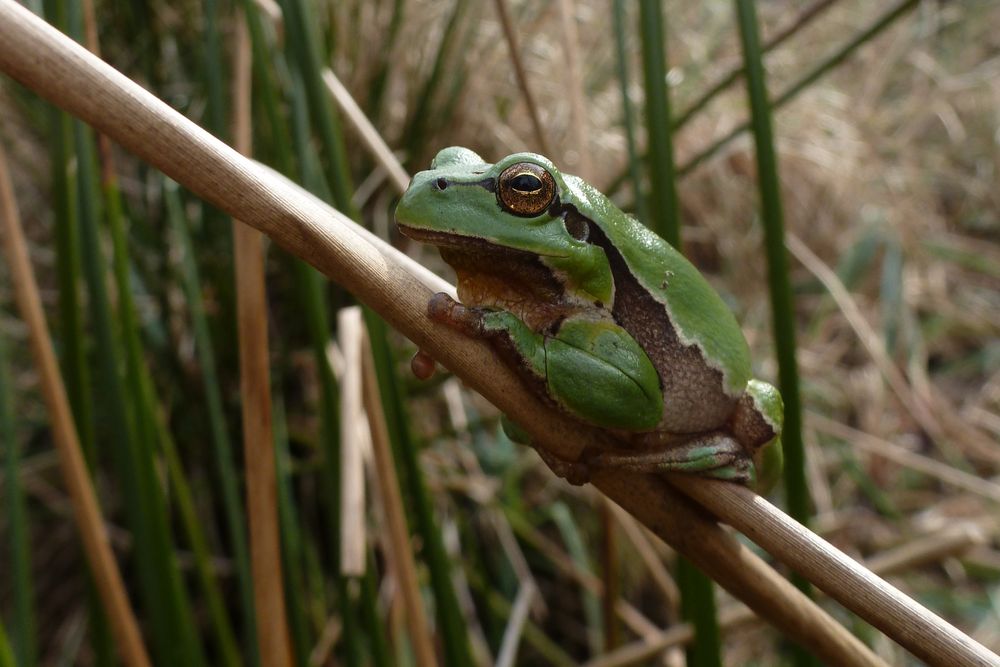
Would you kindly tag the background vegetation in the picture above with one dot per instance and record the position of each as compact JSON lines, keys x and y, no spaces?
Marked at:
{"x":888,"y":168}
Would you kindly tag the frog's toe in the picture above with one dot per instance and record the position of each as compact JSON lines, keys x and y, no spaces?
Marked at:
{"x":574,"y":472}
{"x":741,"y":471}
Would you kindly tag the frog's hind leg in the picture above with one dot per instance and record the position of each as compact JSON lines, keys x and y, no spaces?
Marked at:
{"x":718,"y":456}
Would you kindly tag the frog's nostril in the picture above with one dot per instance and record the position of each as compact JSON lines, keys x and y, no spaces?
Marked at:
{"x":441,"y":184}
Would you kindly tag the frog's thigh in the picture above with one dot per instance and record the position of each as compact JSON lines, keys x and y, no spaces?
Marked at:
{"x":599,"y":372}
{"x":714,"y":455}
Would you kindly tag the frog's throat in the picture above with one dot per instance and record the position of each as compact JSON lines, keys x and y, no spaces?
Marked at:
{"x":455,"y":239}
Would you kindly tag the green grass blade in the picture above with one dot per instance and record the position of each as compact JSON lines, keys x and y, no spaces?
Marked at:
{"x":577,"y":551}
{"x":782,"y":305}
{"x":698,"y":604}
{"x":222,"y":444}
{"x":311,"y":288}
{"x":228,"y":651}
{"x":807,"y":15}
{"x":169,"y":626}
{"x":371,"y":617}
{"x":451,"y":624}
{"x":416,"y":130}
{"x":25,"y":639}
{"x":304,"y":45}
{"x":71,"y":332}
{"x":377,"y":87}
{"x":628,"y":114}
{"x":291,"y":542}
{"x":6,"y":655}
{"x":882,"y":22}
{"x":698,"y":607}
{"x":663,"y":205}
{"x":212,"y":62}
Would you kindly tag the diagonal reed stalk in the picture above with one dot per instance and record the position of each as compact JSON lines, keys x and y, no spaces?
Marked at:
{"x":509,"y":34}
{"x":85,"y":507}
{"x":399,"y":288}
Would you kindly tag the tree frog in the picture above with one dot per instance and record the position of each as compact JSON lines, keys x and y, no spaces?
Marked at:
{"x":599,"y":316}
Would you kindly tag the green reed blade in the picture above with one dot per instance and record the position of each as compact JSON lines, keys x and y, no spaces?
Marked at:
{"x":663,"y":206}
{"x":304,"y":45}
{"x":451,"y":623}
{"x":628,"y":114}
{"x":302,"y":637}
{"x":782,"y":305}
{"x":882,"y":22}
{"x":416,"y":129}
{"x":22,"y":583}
{"x":169,"y":618}
{"x":222,"y":444}
{"x":698,"y":604}
{"x":6,"y":654}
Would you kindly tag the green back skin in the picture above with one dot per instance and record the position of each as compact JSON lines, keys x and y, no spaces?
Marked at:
{"x":697,"y":312}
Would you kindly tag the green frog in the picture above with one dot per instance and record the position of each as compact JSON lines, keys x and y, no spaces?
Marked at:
{"x":600,"y":317}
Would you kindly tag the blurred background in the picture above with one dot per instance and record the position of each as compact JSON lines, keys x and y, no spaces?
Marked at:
{"x":887,"y":129}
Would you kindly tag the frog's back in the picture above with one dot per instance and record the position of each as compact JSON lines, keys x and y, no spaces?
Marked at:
{"x":699,"y":316}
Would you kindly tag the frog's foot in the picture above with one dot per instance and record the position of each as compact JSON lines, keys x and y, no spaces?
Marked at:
{"x":576,"y":473}
{"x":717,"y":456}
{"x":445,"y":310}
{"x":423,"y":365}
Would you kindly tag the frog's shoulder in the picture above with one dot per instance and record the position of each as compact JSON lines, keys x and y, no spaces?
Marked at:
{"x":699,"y":314}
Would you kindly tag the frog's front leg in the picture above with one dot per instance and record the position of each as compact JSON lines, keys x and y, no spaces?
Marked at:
{"x":592,"y":368}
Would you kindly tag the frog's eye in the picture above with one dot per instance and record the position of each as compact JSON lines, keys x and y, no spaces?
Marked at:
{"x":525,"y":189}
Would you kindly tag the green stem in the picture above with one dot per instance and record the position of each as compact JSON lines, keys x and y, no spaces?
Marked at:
{"x":664,"y":208}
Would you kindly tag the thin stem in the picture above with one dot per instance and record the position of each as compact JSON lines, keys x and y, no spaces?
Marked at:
{"x":88,"y":514}
{"x":522,"y":78}
{"x":255,"y":388}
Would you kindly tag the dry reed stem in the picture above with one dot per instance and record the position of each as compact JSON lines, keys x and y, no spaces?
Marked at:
{"x":904,"y":457}
{"x":353,"y":429}
{"x":919,"y":408}
{"x":952,"y":540}
{"x":399,"y":288}
{"x":255,"y":390}
{"x":522,"y":77}
{"x":923,"y":633}
{"x":654,"y":564}
{"x":366,"y":131}
{"x":395,"y":515}
{"x":86,"y":510}
{"x":934,"y":547}
{"x":515,"y":624}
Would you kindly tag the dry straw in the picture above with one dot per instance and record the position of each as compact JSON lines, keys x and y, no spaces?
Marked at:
{"x":398,"y":289}
{"x":89,"y":522}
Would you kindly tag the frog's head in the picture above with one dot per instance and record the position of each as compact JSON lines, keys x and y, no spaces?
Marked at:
{"x":521,"y":203}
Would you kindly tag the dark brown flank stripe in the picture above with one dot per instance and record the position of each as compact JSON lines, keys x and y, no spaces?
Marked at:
{"x":694,"y":398}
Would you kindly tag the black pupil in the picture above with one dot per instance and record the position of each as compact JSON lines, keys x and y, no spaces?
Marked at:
{"x":526,"y":183}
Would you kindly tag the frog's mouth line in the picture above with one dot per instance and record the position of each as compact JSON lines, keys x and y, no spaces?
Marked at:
{"x":459,"y":241}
